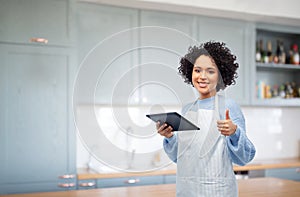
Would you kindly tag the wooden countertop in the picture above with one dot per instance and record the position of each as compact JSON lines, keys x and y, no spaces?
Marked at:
{"x":270,"y":164}
{"x":258,"y":187}
{"x":257,"y":165}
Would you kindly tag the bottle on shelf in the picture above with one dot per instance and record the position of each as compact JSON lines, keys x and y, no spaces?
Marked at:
{"x":262,"y":52}
{"x":275,"y":91}
{"x":269,"y":52}
{"x":289,"y":58}
{"x":282,"y":57}
{"x":258,"y":54}
{"x":277,"y":54}
{"x":295,"y":91}
{"x":295,"y":54}
{"x":279,"y":57}
{"x":282,"y":91}
{"x":288,"y":90}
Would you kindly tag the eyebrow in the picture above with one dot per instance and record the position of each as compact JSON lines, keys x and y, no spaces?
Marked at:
{"x":195,"y":66}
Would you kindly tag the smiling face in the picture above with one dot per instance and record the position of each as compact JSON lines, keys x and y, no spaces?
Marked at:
{"x":205,"y":76}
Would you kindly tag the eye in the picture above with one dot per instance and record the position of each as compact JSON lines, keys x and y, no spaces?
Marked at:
{"x":197,"y":70}
{"x":211,"y":72}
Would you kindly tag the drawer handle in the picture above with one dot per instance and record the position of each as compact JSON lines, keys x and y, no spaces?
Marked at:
{"x":88,"y":184}
{"x":66,"y":185}
{"x":67,"y":176}
{"x":132,"y":181}
{"x":39,"y":40}
{"x":298,"y":170}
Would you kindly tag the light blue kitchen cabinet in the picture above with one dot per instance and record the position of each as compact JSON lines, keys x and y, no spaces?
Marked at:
{"x":170,"y":179}
{"x":22,"y":21}
{"x":107,"y":53}
{"x":238,"y":36}
{"x":129,"y":181}
{"x":284,"y":173}
{"x":164,"y":39}
{"x":37,"y":136}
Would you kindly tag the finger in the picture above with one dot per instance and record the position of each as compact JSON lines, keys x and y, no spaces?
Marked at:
{"x":227,"y":114}
{"x":220,"y":122}
{"x":166,"y":131}
{"x":225,"y":132}
{"x":162,"y":127}
{"x":157,"y":125}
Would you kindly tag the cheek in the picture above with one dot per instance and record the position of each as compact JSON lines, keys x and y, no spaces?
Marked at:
{"x":214,"y":79}
{"x":194,"y":76}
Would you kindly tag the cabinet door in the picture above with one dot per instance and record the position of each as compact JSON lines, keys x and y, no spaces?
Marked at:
{"x":284,"y":173}
{"x":106,"y":52}
{"x":165,"y":38}
{"x":22,"y":20}
{"x":37,"y":140}
{"x":237,"y":37}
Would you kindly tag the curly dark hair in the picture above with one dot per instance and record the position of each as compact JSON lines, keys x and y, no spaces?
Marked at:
{"x":221,"y":56}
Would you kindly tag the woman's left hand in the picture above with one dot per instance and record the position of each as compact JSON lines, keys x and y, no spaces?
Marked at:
{"x":226,"y":127}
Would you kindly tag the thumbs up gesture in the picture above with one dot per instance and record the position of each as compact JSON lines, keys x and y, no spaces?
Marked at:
{"x":226,"y":127}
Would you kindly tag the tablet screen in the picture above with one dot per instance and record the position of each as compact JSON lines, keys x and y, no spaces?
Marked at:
{"x":175,"y":120}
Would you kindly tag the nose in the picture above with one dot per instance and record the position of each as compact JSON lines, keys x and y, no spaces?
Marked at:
{"x":203,"y":74}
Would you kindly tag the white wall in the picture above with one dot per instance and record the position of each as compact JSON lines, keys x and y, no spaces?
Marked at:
{"x":287,"y":8}
{"x":281,"y":12}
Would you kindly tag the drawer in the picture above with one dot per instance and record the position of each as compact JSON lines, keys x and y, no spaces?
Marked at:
{"x":169,"y":179}
{"x":284,"y":173}
{"x":86,"y":184}
{"x":130,"y":181}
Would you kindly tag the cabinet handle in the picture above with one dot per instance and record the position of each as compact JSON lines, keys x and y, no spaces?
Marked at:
{"x":132,"y":181}
{"x":66,"y":185}
{"x":39,"y":40}
{"x":88,"y":184}
{"x":67,"y":176}
{"x":298,"y":170}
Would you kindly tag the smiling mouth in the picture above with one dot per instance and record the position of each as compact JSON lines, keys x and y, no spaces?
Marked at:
{"x":203,"y":84}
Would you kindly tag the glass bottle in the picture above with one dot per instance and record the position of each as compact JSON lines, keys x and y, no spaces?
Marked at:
{"x":295,"y":54}
{"x":277,"y":54}
{"x":269,"y":52}
{"x":262,"y":52}
{"x":258,"y":54}
{"x":282,"y":58}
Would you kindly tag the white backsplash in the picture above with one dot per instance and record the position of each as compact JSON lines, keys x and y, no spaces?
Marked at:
{"x":273,"y":130}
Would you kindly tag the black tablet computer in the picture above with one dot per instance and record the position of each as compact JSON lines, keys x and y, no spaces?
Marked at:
{"x":175,"y":120}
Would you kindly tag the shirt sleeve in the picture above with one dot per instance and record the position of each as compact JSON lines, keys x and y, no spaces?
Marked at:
{"x":171,"y":147}
{"x":241,"y":149}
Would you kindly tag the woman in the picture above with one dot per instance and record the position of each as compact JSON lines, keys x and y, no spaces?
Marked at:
{"x":204,"y":158}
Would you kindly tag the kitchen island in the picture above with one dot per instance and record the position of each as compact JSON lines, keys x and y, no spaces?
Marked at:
{"x":258,"y":187}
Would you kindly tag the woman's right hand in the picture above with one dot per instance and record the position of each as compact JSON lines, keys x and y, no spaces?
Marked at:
{"x":164,"y":130}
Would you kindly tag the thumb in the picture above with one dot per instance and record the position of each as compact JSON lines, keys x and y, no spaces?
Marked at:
{"x":227,"y":114}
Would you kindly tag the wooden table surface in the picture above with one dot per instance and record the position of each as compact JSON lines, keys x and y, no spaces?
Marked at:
{"x":256,"y":187}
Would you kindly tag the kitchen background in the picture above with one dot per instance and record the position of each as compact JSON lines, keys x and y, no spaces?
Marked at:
{"x":47,"y":81}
